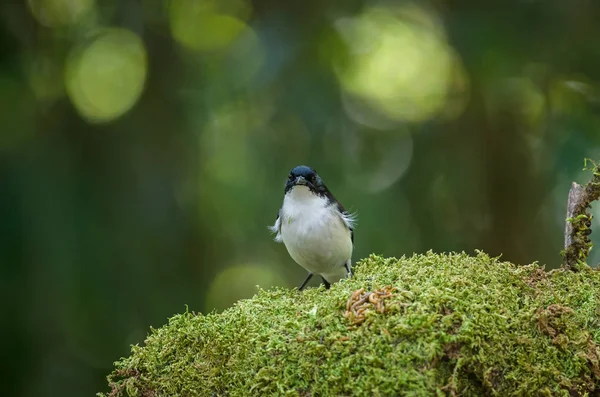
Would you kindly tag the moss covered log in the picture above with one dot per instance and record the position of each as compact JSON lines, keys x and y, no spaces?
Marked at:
{"x":426,"y":325}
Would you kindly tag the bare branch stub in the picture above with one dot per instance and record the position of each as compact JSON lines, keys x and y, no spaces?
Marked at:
{"x":578,"y":223}
{"x":576,"y":196}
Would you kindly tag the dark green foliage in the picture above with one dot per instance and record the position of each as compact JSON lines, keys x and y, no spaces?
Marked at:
{"x":456,"y":325}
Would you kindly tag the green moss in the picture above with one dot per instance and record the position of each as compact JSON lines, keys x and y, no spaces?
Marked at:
{"x":456,"y":325}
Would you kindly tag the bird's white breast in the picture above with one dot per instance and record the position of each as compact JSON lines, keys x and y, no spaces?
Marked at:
{"x":315,"y":234}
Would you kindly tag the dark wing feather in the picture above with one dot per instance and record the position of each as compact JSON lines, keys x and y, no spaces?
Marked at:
{"x":324,"y":191}
{"x":343,"y":211}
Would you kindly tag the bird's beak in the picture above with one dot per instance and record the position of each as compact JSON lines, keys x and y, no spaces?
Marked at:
{"x":300,"y":181}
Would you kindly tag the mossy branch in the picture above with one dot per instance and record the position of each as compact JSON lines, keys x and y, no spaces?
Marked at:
{"x":422,"y":326}
{"x":579,"y":220}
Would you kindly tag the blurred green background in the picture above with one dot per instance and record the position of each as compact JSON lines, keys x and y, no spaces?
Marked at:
{"x":144,"y":147}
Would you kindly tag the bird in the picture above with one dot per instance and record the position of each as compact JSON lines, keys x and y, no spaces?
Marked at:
{"x":315,"y":228}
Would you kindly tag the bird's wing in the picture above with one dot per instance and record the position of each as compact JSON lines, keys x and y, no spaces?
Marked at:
{"x":276,"y":228}
{"x":348,"y":218}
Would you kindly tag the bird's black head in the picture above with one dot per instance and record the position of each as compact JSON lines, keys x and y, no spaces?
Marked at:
{"x":306,"y":176}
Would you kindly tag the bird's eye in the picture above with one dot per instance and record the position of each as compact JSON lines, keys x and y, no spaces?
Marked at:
{"x":290,"y":177}
{"x":313,"y":179}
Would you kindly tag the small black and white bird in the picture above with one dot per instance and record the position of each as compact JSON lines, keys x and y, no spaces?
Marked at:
{"x":315,"y":228}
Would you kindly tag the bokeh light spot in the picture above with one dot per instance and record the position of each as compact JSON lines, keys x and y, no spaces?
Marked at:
{"x":239,"y":282}
{"x":106,"y":78}
{"x":55,"y":13}
{"x":399,"y":63}
{"x":227,"y":136}
{"x":245,"y":59}
{"x":376,"y":160}
{"x":45,"y":78}
{"x":570,"y":95}
{"x":201,"y":26}
{"x":522,"y":95}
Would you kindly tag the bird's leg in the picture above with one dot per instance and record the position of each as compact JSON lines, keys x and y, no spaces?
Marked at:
{"x":347,"y":266}
{"x":305,"y":282}
{"x":327,"y":285}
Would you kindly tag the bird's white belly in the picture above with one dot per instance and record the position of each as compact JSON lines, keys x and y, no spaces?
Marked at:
{"x":316,"y":238}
